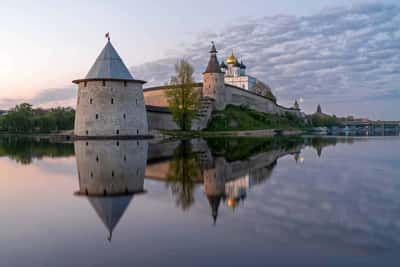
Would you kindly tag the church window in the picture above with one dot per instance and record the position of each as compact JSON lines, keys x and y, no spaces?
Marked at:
{"x":124,"y":158}
{"x":87,"y":132}
{"x":97,"y":116}
{"x":105,"y":192}
{"x":112,"y":173}
{"x":124,"y":116}
{"x":104,"y":83}
{"x":125,"y":83}
{"x":97,"y":159}
{"x":137,"y":131}
{"x":91,"y":174}
{"x":87,"y":143}
{"x":85,"y":84}
{"x":112,"y":100}
{"x":117,"y":132}
{"x":91,"y":101}
{"x":117,"y":143}
{"x":136,"y":101}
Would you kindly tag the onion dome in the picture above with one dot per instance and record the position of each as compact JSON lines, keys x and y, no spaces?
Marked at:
{"x":223,"y":65}
{"x":231,"y":59}
{"x":237,"y":64}
{"x":242,"y":66}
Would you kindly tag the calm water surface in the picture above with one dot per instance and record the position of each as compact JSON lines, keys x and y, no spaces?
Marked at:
{"x":220,"y":202}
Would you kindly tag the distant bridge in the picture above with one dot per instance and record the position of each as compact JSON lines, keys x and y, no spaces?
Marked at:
{"x":373,"y":124}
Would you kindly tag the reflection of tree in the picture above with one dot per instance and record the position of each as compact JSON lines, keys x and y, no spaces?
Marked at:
{"x":23,"y":150}
{"x":184,"y":169}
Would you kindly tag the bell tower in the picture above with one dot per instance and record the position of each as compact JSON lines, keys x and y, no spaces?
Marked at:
{"x":213,"y":80}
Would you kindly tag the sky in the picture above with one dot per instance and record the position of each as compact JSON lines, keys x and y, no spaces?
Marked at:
{"x":343,"y":55}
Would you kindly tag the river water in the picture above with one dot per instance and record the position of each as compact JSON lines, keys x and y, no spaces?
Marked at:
{"x":290,"y":201}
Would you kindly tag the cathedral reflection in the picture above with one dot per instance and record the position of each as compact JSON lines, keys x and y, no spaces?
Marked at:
{"x":110,"y":174}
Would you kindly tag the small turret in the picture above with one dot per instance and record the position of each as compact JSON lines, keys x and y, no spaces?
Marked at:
{"x":213,"y":80}
{"x":296,"y":105}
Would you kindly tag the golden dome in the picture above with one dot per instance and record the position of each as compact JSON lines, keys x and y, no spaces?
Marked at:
{"x":231,"y":59}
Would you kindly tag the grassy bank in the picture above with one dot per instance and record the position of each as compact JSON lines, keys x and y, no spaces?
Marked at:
{"x":235,"y":118}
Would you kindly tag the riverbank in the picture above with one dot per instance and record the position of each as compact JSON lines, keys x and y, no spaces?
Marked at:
{"x":247,"y":133}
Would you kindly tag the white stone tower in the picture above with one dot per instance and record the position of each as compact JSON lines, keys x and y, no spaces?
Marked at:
{"x":110,"y":101}
{"x":213,"y":80}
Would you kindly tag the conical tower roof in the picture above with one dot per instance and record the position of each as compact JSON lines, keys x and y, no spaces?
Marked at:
{"x":213,"y":64}
{"x":108,"y":66}
{"x":110,"y":210}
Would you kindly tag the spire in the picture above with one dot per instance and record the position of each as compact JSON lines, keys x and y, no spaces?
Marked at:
{"x":296,"y":105}
{"x":214,"y":202}
{"x":109,"y":65}
{"x":319,"y":109}
{"x":213,"y":64}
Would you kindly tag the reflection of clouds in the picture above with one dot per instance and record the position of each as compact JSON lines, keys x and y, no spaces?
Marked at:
{"x":346,"y":201}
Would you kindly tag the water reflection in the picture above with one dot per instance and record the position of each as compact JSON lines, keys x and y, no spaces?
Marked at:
{"x":347,"y":199}
{"x":110,"y":173}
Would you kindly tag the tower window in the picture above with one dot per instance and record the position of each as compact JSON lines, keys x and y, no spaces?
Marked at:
{"x":124,"y":116}
{"x":117,"y":132}
{"x":117,"y":143}
{"x":112,"y":100}
{"x":125,"y":83}
{"x":137,"y":131}
{"x":97,"y":116}
{"x":87,"y":132}
{"x":104,"y":83}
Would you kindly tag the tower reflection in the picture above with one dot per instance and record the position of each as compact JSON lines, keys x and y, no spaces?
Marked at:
{"x":110,"y":173}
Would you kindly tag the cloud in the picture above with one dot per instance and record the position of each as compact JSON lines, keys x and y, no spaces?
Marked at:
{"x":46,"y":98}
{"x":339,"y":55}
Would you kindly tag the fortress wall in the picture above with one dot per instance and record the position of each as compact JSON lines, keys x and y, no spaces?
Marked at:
{"x":156,"y":96}
{"x":160,"y":120}
{"x":112,"y":109}
{"x":237,"y":96}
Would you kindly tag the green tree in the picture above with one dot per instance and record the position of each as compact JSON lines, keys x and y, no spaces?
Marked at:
{"x":183,"y":99}
{"x":183,"y":171}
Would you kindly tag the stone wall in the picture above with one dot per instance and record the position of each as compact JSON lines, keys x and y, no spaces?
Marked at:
{"x":155,"y":96}
{"x":110,"y":108}
{"x":223,"y":95}
{"x":160,"y":119}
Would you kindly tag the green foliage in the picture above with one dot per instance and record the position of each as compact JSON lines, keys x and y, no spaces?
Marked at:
{"x":324,"y":120}
{"x":24,"y":119}
{"x":183,"y":99}
{"x":23,"y":150}
{"x":183,"y":171}
{"x":242,"y":118}
{"x":243,"y":148}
